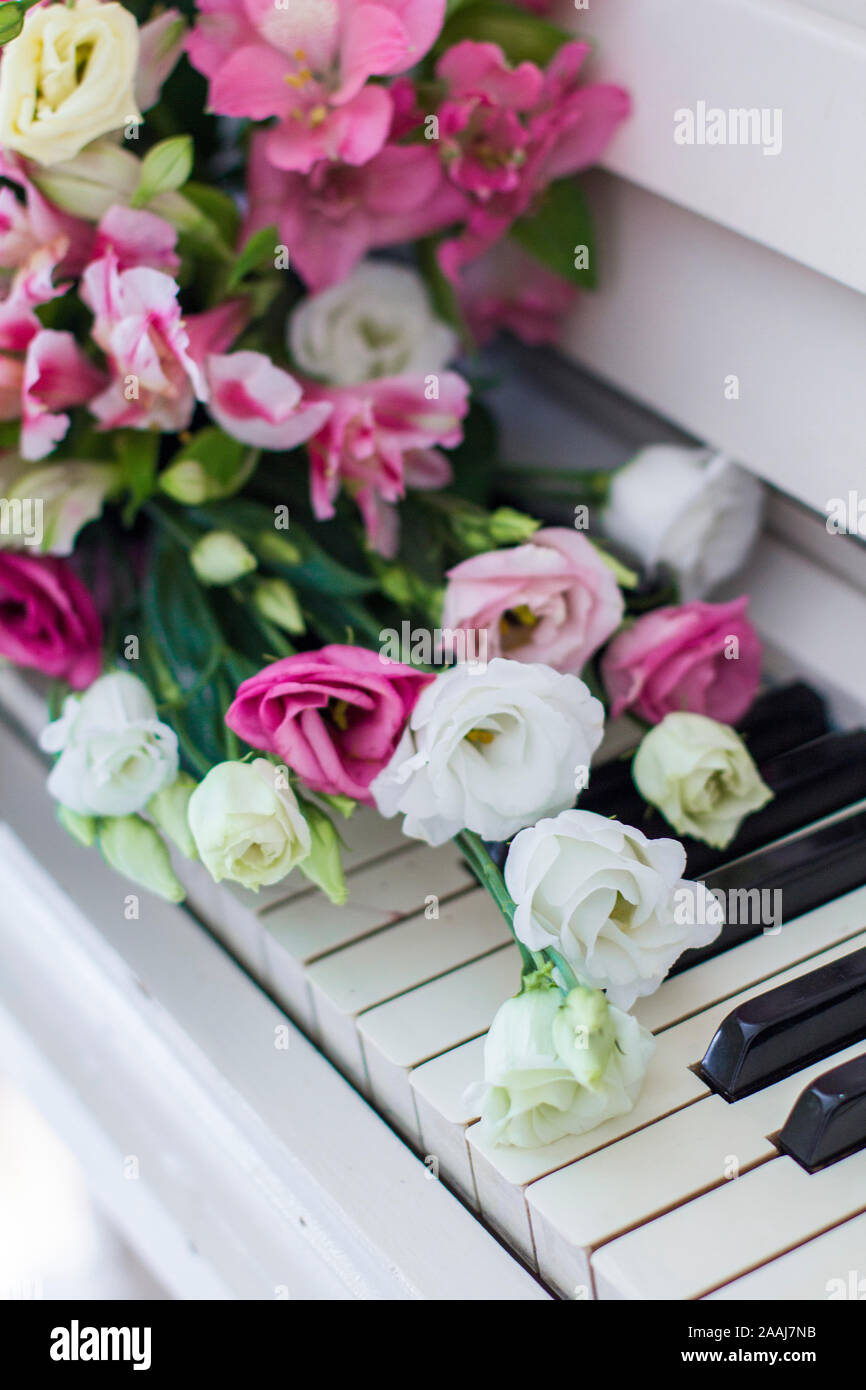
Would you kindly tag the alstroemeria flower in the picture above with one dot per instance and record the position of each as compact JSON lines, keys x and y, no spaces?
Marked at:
{"x":259,"y":403}
{"x":506,"y":133}
{"x":309,"y":64}
{"x":332,"y":217}
{"x":381,"y":438}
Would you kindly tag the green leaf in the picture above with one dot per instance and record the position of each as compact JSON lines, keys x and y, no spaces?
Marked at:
{"x":11,"y":21}
{"x":522,"y":36}
{"x":217,"y":207}
{"x":164,"y":169}
{"x":212,"y":465}
{"x":137,"y":453}
{"x":322,"y":865}
{"x":560,"y":233}
{"x":258,"y":249}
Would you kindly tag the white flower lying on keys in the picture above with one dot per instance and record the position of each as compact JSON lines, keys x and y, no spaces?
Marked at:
{"x":115,"y":754}
{"x":557,"y":1065}
{"x":612,"y":902}
{"x":701,"y":777}
{"x":247,"y":826}
{"x":490,"y":751}
{"x":377,"y":323}
{"x":692,"y":510}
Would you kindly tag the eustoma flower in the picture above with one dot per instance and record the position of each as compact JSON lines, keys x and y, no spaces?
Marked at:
{"x":334,"y":716}
{"x":611,"y":901}
{"x":48,"y":621}
{"x":309,"y":63}
{"x":246,"y":826}
{"x":688,"y":509}
{"x":552,"y":600}
{"x":555,"y":1066}
{"x":115,"y":754}
{"x":490,"y":752}
{"x":704,"y":658}
{"x":701,"y":777}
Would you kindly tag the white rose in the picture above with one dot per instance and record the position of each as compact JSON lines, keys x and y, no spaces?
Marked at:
{"x":611,"y":901}
{"x":246,"y":826}
{"x":68,"y":78}
{"x":114,"y":752}
{"x":692,"y":510}
{"x":490,"y":752}
{"x":378,"y":322}
{"x":531,"y":1095}
{"x":701,"y":777}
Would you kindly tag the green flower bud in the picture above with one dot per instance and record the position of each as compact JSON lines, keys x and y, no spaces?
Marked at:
{"x":11,"y":22}
{"x":164,"y":169}
{"x":323,"y":865}
{"x":136,"y":850}
{"x":186,"y":482}
{"x":169,"y":810}
{"x":81,"y":828}
{"x":276,"y":600}
{"x":220,"y":558}
{"x":584,"y":1034}
{"x":88,"y":185}
{"x":509,"y":527}
{"x":274,"y":547}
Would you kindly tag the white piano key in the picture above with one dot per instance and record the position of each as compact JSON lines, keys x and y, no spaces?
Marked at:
{"x":830,"y":1267}
{"x":716,"y":1238}
{"x":502,"y":1173}
{"x":588,"y":1203}
{"x":406,"y":1031}
{"x":393,"y":961}
{"x":442,"y":1113}
{"x":753,"y":961}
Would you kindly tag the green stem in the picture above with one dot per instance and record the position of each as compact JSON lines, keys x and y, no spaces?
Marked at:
{"x":477,"y":857}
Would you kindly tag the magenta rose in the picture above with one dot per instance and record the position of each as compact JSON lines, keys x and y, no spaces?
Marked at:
{"x":552,"y":600}
{"x":335,"y":716}
{"x":704,"y":658}
{"x":48,"y":620}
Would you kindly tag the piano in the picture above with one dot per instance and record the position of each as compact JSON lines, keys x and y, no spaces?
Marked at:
{"x":291,"y":1077}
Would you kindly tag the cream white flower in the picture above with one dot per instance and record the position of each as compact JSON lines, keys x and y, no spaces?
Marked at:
{"x":221,"y":557}
{"x":490,"y":751}
{"x":610,"y":900}
{"x":62,"y":497}
{"x":533,"y":1092}
{"x":689,"y":509}
{"x":701,"y":777}
{"x":68,"y":78}
{"x":115,"y":754}
{"x":246,"y":826}
{"x":378,"y":322}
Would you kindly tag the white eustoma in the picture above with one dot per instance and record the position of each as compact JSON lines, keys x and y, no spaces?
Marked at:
{"x":490,"y":751}
{"x":68,"y":78}
{"x":115,"y":754}
{"x":532,"y":1094}
{"x":691,"y":510}
{"x":246,"y":825}
{"x":378,"y":322}
{"x":59,"y":499}
{"x":700,"y":775}
{"x":613,"y":902}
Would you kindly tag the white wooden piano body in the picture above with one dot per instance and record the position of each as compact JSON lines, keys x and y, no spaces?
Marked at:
{"x":263,"y":1173}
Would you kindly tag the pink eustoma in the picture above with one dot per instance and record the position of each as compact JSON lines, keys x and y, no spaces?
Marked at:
{"x":552,"y":600}
{"x":334,"y":716}
{"x":308,"y":64}
{"x":381,"y":438}
{"x":48,"y":621}
{"x":702,"y":658}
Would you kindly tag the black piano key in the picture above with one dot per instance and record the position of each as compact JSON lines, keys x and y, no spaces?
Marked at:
{"x":797,"y":876}
{"x":779,"y":720}
{"x":828,"y":1121}
{"x":778,"y":1032}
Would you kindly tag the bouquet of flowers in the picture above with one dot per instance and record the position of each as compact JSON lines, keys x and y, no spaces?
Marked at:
{"x":254,"y":525}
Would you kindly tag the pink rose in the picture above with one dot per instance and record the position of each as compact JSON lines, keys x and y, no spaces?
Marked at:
{"x":552,"y":600}
{"x":335,"y":716}
{"x":704,"y":658}
{"x":48,"y":620}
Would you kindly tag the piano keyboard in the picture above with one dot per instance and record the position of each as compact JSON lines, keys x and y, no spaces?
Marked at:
{"x":690,"y":1195}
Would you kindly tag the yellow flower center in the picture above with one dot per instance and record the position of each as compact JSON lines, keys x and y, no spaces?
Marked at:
{"x":480,"y":736}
